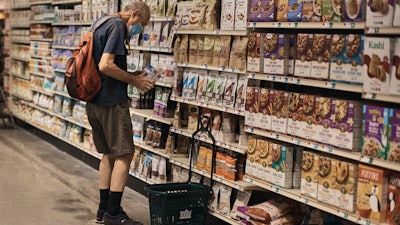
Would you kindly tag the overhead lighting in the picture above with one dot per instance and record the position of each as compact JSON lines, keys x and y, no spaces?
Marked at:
{"x":3,"y":16}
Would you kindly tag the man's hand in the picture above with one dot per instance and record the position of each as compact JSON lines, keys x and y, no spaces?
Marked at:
{"x":142,"y":82}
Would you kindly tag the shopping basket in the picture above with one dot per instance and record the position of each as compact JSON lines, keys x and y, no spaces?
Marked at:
{"x":182,"y":203}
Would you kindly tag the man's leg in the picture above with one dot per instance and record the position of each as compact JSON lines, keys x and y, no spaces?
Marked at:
{"x":105,"y":170}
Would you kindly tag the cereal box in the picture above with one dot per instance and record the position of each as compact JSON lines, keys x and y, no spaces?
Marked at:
{"x":321,"y":46}
{"x":347,"y":120}
{"x":338,"y":58}
{"x":372,"y":189}
{"x":252,"y":156}
{"x":241,"y":14}
{"x":345,"y":185}
{"x":307,"y":123}
{"x":279,"y":106}
{"x":295,"y":10}
{"x":354,"y":61}
{"x":393,"y":204}
{"x":262,"y":11}
{"x":395,"y":78}
{"x":264,"y":113}
{"x":251,"y":107}
{"x":263,"y":161}
{"x":254,"y":52}
{"x":396,"y":17}
{"x":377,"y":59}
{"x":274,"y":53}
{"x":354,"y":10}
{"x":332,"y":11}
{"x":309,"y":175}
{"x":228,"y":14}
{"x":375,"y":123}
{"x":292,"y":53}
{"x":312,"y":10}
{"x":297,"y":158}
{"x":394,"y":136}
{"x":282,"y":164}
{"x":282,"y":9}
{"x":326,"y":180}
{"x":380,"y":13}
{"x":304,"y":48}
{"x":325,"y":111}
{"x":294,"y":114}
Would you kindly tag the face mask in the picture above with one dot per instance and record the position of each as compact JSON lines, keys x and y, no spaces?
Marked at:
{"x":136,"y":29}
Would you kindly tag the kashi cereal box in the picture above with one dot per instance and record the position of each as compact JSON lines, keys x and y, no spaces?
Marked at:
{"x":252,"y":105}
{"x":372,"y":189}
{"x":338,"y":58}
{"x":321,"y":56}
{"x":354,"y":62}
{"x":377,"y":60}
{"x":348,"y":121}
{"x":379,"y":13}
{"x":395,"y":78}
{"x":354,"y":10}
{"x":241,"y":12}
{"x":374,"y":136}
{"x":252,"y":157}
{"x":263,"y":160}
{"x":394,"y":136}
{"x":326,"y":180}
{"x":282,"y":9}
{"x":393,"y":204}
{"x":274,"y":53}
{"x":295,"y":10}
{"x":279,"y":107}
{"x":254,"y":52}
{"x":282,"y":164}
{"x":332,"y":11}
{"x":228,"y":14}
{"x":324,"y":116}
{"x":396,"y":17}
{"x":264,"y":112}
{"x":345,"y":184}
{"x":294,"y":114}
{"x":309,"y":175}
{"x":307,"y":114}
{"x":262,"y":11}
{"x":304,"y":51}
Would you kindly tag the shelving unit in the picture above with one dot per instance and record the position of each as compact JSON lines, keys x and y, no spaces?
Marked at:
{"x":308,"y":25}
{"x":215,"y":68}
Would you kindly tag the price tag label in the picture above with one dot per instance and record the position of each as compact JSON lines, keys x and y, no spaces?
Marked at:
{"x":276,"y":190}
{"x":304,"y":200}
{"x":298,"y":141}
{"x":254,"y":25}
{"x":315,"y":145}
{"x":376,"y":30}
{"x":232,"y":70}
{"x":367,"y":159}
{"x":216,"y":32}
{"x":239,"y":187}
{"x":205,"y":66}
{"x":251,"y":76}
{"x":298,"y":81}
{"x":286,"y":80}
{"x":273,"y":78}
{"x":276,"y":136}
{"x":343,"y":214}
{"x":364,"y":222}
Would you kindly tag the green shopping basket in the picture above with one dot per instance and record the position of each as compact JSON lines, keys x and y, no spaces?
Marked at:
{"x":181,"y":203}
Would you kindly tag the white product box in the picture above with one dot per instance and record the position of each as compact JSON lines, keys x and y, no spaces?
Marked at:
{"x":254,"y":52}
{"x":228,"y":14}
{"x":264,"y":112}
{"x":251,"y":106}
{"x":396,"y":17}
{"x":380,"y":14}
{"x":241,"y":14}
{"x":346,"y":185}
{"x":279,"y":106}
{"x":309,"y":175}
{"x":395,"y":78}
{"x":321,"y":56}
{"x":326,"y":185}
{"x":302,"y":67}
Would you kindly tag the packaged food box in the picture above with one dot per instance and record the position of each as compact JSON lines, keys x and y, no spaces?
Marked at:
{"x":372,"y":189}
{"x":295,"y":10}
{"x":394,"y":88}
{"x":332,"y":11}
{"x":282,"y":164}
{"x":338,"y":69}
{"x":274,"y":53}
{"x":307,"y":123}
{"x":292,"y":53}
{"x":326,"y":180}
{"x":252,"y":156}
{"x":396,"y":17}
{"x":262,"y":11}
{"x":325,"y":110}
{"x":321,"y":46}
{"x":263,"y":160}
{"x":304,"y":50}
{"x":264,"y":112}
{"x":297,"y":162}
{"x":393,"y":202}
{"x":279,"y":107}
{"x":354,"y":61}
{"x":230,"y":90}
{"x":312,"y":10}
{"x":294,"y":114}
{"x":379,"y":13}
{"x":251,"y":107}
{"x":241,"y":92}
{"x":374,"y":137}
{"x":394,"y":136}
{"x":377,"y":60}
{"x":345,"y":185}
{"x":241,"y":12}
{"x":228,"y":14}
{"x":282,"y":9}
{"x":254,"y":52}
{"x":309,"y":174}
{"x":348,"y":121}
{"x":354,"y":10}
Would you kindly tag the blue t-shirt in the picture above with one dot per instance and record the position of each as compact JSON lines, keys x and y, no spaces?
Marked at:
{"x":110,"y":38}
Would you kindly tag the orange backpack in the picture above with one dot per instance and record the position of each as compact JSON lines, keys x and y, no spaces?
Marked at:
{"x":81,"y":77}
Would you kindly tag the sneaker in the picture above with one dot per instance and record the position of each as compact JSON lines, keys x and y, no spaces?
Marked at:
{"x":120,"y":219}
{"x":99,"y":216}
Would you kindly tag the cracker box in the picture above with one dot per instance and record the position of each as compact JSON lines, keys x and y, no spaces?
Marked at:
{"x":345,"y":185}
{"x":395,"y":78}
{"x":228,"y":14}
{"x":347,"y":120}
{"x":282,"y":164}
{"x":377,"y":60}
{"x":252,"y":157}
{"x":254,"y":52}
{"x":263,"y":160}
{"x":354,"y":61}
{"x":379,"y":13}
{"x":321,"y":46}
{"x":295,"y":10}
{"x":396,"y":17}
{"x":393,"y":204}
{"x":338,"y":58}
{"x":325,"y":109}
{"x":274,"y":53}
{"x":374,"y":137}
{"x":354,"y":10}
{"x":372,"y":189}
{"x":262,"y":11}
{"x":394,"y":136}
{"x":326,"y":180}
{"x":241,"y":14}
{"x":294,"y":114}
{"x":279,"y":106}
{"x":264,"y":112}
{"x":307,"y":123}
{"x":309,"y":174}
{"x":302,"y":67}
{"x":282,"y":9}
{"x":332,"y":11}
{"x":251,"y":107}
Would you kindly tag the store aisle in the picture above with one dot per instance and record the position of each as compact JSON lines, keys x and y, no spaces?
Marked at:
{"x":41,"y":185}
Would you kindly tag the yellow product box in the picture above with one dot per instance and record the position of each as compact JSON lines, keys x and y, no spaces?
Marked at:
{"x":309,"y":175}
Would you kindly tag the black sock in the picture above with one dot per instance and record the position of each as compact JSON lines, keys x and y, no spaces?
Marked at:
{"x":114,"y":203}
{"x":104,"y":194}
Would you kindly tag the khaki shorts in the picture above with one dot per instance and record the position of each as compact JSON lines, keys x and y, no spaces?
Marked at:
{"x":111,"y":128}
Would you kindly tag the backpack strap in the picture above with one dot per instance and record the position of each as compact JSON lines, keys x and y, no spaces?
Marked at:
{"x":99,"y":22}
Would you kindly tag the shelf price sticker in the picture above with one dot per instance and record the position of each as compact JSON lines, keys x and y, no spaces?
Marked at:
{"x":343,"y":214}
{"x":239,"y":187}
{"x":364,"y":221}
{"x":327,"y":25}
{"x":351,"y":25}
{"x":366,"y":159}
{"x":304,"y":200}
{"x":205,"y":66}
{"x":330,"y":85}
{"x":215,"y":32}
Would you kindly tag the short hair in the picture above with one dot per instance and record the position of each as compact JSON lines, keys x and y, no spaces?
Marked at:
{"x":143,"y":8}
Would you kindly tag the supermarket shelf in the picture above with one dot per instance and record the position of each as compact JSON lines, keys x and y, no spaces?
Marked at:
{"x":164,"y":84}
{"x":20,"y":6}
{"x":383,"y":30}
{"x":308,"y":25}
{"x":210,"y":106}
{"x":307,"y":82}
{"x":295,"y":195}
{"x":207,"y":67}
{"x":149,"y":115}
{"x":43,"y":91}
{"x":63,"y":47}
{"x":19,"y":97}
{"x":152,"y":49}
{"x":42,"y":74}
{"x":239,"y":185}
{"x":60,"y":70}
{"x":74,"y":23}
{"x":42,"y":39}
{"x":224,"y":218}
{"x":65,"y":94}
{"x":42,"y":22}
{"x":157,"y":151}
{"x":41,"y":2}
{"x":379,"y":97}
{"x":16,"y":41}
{"x":142,"y":178}
{"x":214,"y":32}
{"x":20,"y":25}
{"x":380,"y":163}
{"x":305,"y":143}
{"x":20,"y":76}
{"x":161,"y":19}
{"x":19,"y":59}
{"x":230,"y":146}
{"x":41,"y":57}
{"x":66,"y":2}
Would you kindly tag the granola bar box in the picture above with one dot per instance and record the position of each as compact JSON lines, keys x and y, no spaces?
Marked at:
{"x":393,"y":204}
{"x":264,"y":113}
{"x":321,"y":45}
{"x":374,"y":137}
{"x":354,"y":10}
{"x":309,"y":174}
{"x":304,"y":52}
{"x":345,"y":184}
{"x":379,"y":13}
{"x":279,"y":106}
{"x":326,"y":180}
{"x":274,"y":53}
{"x":395,"y":77}
{"x":394,"y":136}
{"x":372,"y":189}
